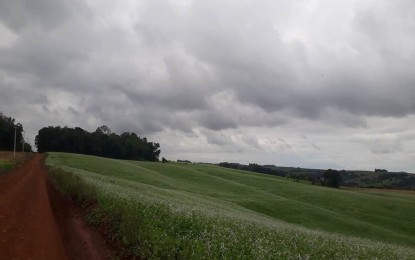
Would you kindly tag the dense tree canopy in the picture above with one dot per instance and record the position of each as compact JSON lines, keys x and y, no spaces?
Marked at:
{"x":8,"y":128}
{"x":102,"y":142}
{"x":332,"y":178}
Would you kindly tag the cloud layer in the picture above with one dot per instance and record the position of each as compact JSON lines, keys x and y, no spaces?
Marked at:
{"x":302,"y":83}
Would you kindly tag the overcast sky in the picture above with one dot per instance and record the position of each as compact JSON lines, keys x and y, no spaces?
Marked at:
{"x":325,"y":84}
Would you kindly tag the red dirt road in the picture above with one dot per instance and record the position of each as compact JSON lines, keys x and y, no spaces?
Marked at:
{"x":37,"y":223}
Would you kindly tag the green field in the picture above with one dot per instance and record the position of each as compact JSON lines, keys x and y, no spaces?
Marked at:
{"x":204,"y":211}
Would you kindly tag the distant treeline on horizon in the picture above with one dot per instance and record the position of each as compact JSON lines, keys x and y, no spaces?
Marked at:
{"x":379,"y":178}
{"x":102,"y":142}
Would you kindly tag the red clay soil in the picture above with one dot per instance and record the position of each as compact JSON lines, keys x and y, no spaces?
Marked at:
{"x":36,"y":222}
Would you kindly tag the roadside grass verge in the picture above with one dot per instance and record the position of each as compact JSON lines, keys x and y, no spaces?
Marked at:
{"x":6,"y":165}
{"x":8,"y":162}
{"x":158,"y":222}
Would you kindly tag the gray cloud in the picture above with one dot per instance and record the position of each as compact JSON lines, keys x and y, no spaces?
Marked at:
{"x":20,"y":14}
{"x":213,"y":69}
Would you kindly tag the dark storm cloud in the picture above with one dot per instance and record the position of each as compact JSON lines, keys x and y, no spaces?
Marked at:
{"x":160,"y":66}
{"x":252,"y":59}
{"x":207,"y":46}
{"x":216,"y":121}
{"x":41,"y":57}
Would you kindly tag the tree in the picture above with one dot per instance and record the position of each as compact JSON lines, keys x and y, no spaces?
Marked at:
{"x":332,"y":178}
{"x":8,"y":128}
{"x":104,"y":130}
{"x":102,"y":142}
{"x":27,"y":147}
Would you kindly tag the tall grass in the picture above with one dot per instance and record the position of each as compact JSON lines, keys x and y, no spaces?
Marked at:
{"x":156,"y":221}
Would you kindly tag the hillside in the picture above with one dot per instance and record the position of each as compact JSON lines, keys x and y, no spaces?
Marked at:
{"x":190,"y":206}
{"x":350,"y":178}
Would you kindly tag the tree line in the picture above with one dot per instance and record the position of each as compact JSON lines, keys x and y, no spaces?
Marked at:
{"x":8,"y":129}
{"x":253,"y":167}
{"x":103,"y":142}
{"x":329,"y":178}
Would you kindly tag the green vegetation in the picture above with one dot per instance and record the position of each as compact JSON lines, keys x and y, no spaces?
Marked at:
{"x":332,"y":178}
{"x":8,"y":130}
{"x":175,"y":210}
{"x":6,"y":165}
{"x":103,"y":142}
{"x":380,"y":178}
{"x":8,"y":162}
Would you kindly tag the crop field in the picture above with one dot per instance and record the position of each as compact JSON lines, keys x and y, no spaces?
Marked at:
{"x":200,"y":211}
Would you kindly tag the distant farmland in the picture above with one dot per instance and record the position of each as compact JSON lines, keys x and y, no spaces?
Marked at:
{"x":177,"y":210}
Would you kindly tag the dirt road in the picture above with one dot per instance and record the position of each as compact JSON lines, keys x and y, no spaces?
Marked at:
{"x":37,"y":223}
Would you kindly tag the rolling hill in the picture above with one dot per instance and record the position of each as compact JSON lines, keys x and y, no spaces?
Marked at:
{"x":206,"y":211}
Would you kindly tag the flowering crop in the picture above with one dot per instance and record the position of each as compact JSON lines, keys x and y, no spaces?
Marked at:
{"x":156,"y":221}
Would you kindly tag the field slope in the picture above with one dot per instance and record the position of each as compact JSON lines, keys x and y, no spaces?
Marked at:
{"x":197,"y":210}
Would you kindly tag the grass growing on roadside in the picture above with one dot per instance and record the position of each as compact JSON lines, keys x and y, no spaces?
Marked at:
{"x":6,"y":165}
{"x":9,"y":161}
{"x":199,"y":211}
